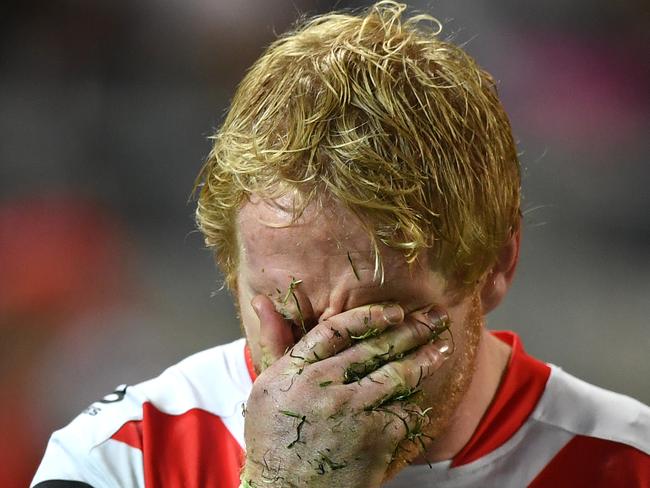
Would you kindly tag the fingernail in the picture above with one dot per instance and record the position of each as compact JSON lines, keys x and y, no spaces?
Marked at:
{"x":393,"y":314}
{"x":445,"y":347}
{"x":437,"y":317}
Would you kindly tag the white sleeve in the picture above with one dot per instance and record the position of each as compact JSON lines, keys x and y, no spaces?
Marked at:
{"x":84,"y":452}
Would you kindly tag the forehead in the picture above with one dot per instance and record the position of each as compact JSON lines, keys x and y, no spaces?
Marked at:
{"x":330,"y":251}
{"x":320,"y":239}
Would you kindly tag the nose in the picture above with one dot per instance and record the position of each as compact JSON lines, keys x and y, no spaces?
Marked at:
{"x":294,"y":305}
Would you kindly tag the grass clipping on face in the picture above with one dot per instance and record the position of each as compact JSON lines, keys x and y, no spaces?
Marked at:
{"x":284,"y":300}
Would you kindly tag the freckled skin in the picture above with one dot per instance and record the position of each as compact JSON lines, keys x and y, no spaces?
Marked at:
{"x":317,"y":251}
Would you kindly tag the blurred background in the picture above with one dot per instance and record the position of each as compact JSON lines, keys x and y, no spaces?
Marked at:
{"x":105,"y":110}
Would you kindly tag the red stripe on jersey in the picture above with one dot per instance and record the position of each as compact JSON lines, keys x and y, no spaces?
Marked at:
{"x":130,"y":433}
{"x":192,"y":450}
{"x":249,"y":363}
{"x":520,"y":390}
{"x":588,"y":462}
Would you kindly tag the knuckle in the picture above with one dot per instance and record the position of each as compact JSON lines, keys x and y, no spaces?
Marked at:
{"x":372,"y":315}
{"x":430,"y":355}
{"x":317,"y":337}
{"x":393,"y":373}
{"x":314,"y":341}
{"x":419,"y":332}
{"x":391,"y":313}
{"x":428,"y":361}
{"x":312,"y":374}
{"x":330,"y":405}
{"x":412,"y":375}
{"x":373,"y":349}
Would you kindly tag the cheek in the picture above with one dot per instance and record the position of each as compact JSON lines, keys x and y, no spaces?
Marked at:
{"x":466,"y":322}
{"x":460,"y":313}
{"x":249,"y":321}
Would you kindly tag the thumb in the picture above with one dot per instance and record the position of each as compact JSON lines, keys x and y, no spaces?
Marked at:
{"x":275,"y":331}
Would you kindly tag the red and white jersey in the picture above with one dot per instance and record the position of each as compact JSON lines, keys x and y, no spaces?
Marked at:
{"x":185,"y":428}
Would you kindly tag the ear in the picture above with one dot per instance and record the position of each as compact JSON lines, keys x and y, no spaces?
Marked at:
{"x":498,"y":280}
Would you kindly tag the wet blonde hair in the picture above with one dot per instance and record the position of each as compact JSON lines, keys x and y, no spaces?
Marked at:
{"x":377,"y":112}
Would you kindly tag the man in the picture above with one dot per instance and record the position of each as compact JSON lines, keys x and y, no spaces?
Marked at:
{"x":362,"y":199}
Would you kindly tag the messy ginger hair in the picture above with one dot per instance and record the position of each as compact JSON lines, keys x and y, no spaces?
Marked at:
{"x":374,"y":110}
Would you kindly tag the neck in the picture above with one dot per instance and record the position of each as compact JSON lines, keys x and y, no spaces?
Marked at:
{"x":491,"y":362}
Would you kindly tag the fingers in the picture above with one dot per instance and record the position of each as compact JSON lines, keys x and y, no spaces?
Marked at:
{"x":339,"y":332}
{"x":394,"y":396}
{"x":365,"y":356}
{"x":398,"y":381}
{"x":370,"y":354}
{"x":275,"y":331}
